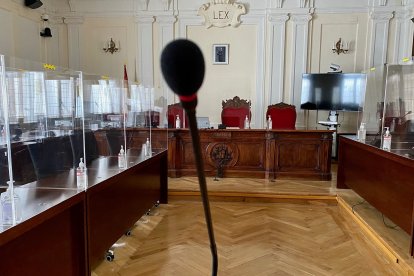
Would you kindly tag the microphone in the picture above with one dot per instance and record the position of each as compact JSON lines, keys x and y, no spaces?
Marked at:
{"x":182,"y":65}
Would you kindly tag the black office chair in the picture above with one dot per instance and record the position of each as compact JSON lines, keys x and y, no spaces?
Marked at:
{"x":52,"y":156}
{"x":91,"y":147}
{"x":115,"y":138}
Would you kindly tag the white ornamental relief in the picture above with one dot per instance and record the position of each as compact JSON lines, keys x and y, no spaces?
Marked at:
{"x":222,"y":13}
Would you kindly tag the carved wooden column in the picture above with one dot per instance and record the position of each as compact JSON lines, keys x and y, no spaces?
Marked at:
{"x":326,"y":147}
{"x":270,"y":155}
{"x":174,"y":154}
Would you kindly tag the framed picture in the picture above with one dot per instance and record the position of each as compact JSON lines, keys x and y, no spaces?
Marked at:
{"x":220,"y":53}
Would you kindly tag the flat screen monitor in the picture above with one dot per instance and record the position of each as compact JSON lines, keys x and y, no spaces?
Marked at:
{"x":333,"y":91}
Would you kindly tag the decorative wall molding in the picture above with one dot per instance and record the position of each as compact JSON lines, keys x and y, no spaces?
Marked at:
{"x":165,"y":35}
{"x":166,"y":4}
{"x":277,"y":42}
{"x":381,"y":15}
{"x":379,"y":37}
{"x":303,"y":3}
{"x":402,"y":39}
{"x":258,"y":19}
{"x":74,"y":19}
{"x":382,"y":2}
{"x":142,"y":5}
{"x":278,"y":18}
{"x":145,"y":52}
{"x":73,"y":25}
{"x":300,"y":34}
{"x":221,"y":13}
{"x":279,"y":4}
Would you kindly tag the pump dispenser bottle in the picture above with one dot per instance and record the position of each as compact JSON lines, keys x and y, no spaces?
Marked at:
{"x":177,"y":122}
{"x":362,"y":133}
{"x":148,"y":150}
{"x":269,"y":122}
{"x":246,"y":123}
{"x":81,"y":175}
{"x":6,"y":212}
{"x":121,"y":158}
{"x":386,"y":144}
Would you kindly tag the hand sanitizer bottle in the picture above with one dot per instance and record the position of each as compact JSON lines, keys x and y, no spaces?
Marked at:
{"x":246,"y":123}
{"x":81,"y":175}
{"x":177,"y":122}
{"x":362,"y":133}
{"x":121,"y":158}
{"x":386,"y":144}
{"x":148,"y":147}
{"x":392,"y":125}
{"x":269,"y":122}
{"x":7,"y":208}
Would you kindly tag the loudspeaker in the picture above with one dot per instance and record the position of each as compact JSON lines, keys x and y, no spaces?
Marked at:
{"x":46,"y":33}
{"x":34,"y":4}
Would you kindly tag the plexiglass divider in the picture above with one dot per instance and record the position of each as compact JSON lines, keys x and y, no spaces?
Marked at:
{"x":39,"y":126}
{"x":388,"y":109}
{"x":63,"y":131}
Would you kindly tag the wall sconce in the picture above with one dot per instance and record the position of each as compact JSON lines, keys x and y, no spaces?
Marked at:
{"x":340,"y":47}
{"x":111,"y":47}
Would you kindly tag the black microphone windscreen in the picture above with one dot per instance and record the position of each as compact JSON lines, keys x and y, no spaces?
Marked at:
{"x":182,"y":65}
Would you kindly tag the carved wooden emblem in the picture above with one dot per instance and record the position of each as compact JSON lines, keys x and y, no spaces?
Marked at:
{"x":222,"y":13}
{"x":222,"y":154}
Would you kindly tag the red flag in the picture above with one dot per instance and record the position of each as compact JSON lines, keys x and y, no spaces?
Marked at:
{"x":125,"y":73}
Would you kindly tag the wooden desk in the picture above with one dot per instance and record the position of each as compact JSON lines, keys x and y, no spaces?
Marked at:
{"x":51,"y":240}
{"x":114,"y":205}
{"x":383,"y":179}
{"x":66,"y":231}
{"x":254,"y":153}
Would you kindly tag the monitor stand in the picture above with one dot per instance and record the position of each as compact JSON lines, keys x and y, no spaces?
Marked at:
{"x":332,"y":124}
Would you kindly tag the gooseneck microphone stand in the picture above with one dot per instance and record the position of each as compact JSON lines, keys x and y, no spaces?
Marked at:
{"x":192,"y":122}
{"x":183,"y":67}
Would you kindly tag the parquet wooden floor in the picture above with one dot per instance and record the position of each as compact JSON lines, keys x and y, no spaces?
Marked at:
{"x":252,"y":239}
{"x":262,"y":227}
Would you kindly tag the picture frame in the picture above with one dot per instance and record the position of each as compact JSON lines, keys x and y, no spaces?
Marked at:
{"x":220,"y":53}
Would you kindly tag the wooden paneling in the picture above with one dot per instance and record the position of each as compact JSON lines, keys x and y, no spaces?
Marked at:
{"x":382,"y":178}
{"x":51,"y":243}
{"x":249,"y":153}
{"x":114,"y":205}
{"x":254,"y":153}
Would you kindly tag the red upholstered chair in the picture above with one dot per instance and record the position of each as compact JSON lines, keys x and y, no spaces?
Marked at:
{"x":235,"y":111}
{"x":173,"y":111}
{"x":283,"y":116}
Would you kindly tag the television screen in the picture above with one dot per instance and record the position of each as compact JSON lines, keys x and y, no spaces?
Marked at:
{"x":333,"y":91}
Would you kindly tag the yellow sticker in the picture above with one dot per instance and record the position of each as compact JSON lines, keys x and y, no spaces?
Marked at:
{"x":372,"y":69}
{"x":48,"y":66}
{"x":406,"y":59}
{"x":105,"y":77}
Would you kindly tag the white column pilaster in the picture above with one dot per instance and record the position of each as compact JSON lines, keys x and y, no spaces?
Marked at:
{"x":402,"y":37}
{"x":145,"y":53}
{"x":74,"y":24}
{"x":299,"y":56}
{"x":277,"y":40}
{"x":166,"y":34}
{"x":380,"y":21}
